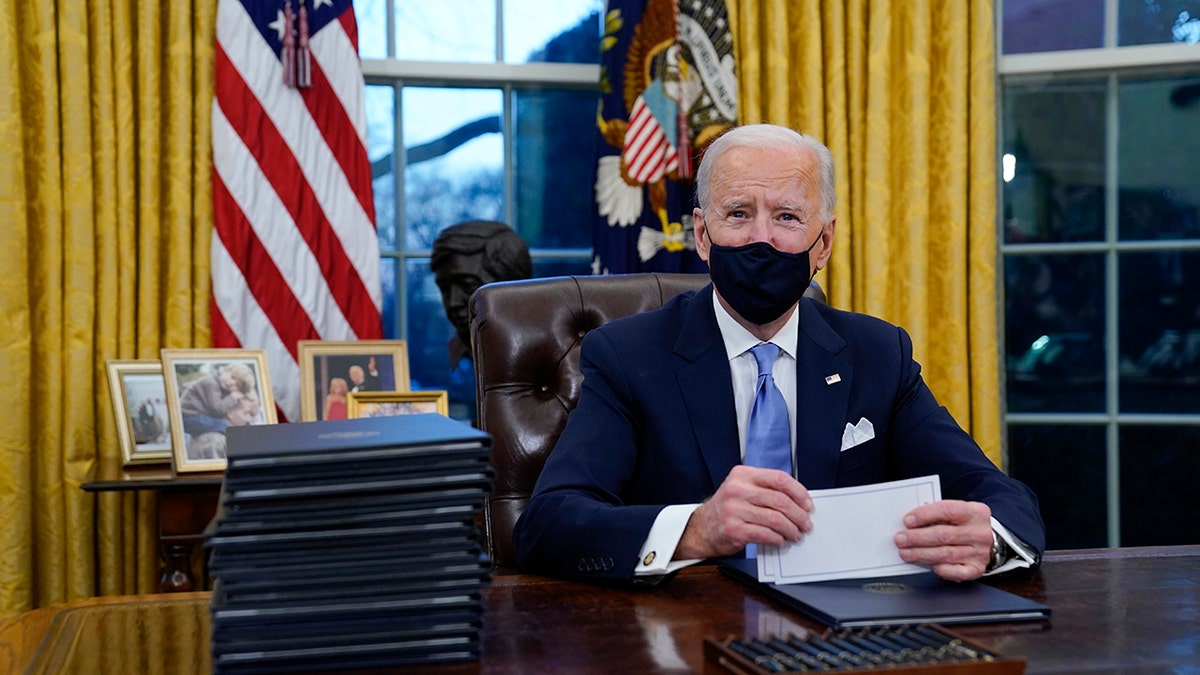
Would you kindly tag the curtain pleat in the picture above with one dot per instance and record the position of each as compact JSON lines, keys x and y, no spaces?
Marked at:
{"x":983,"y":289}
{"x":18,"y":112}
{"x":903,"y":93}
{"x":105,"y":206}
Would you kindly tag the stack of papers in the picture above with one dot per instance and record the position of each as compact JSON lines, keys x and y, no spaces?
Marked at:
{"x":349,"y":544}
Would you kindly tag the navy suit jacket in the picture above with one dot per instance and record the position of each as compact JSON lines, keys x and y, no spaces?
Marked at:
{"x":655,"y":425}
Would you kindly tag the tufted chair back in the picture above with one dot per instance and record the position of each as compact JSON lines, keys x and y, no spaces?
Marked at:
{"x":525,"y":338}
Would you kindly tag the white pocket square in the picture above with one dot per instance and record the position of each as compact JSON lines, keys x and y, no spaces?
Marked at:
{"x":856,"y":434}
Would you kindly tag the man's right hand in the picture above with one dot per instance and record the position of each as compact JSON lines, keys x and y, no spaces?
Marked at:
{"x":752,"y":505}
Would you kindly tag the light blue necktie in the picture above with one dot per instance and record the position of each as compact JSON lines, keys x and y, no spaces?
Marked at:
{"x":768,"y":437}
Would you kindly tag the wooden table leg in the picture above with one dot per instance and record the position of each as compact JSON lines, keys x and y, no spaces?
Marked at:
{"x":176,"y":575}
{"x":183,"y":513}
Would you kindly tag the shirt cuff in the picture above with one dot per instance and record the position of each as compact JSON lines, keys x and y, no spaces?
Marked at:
{"x":1020,"y":556}
{"x":659,"y":548}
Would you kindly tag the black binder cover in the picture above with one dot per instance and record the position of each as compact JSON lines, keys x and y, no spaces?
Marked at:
{"x":304,"y":510}
{"x":888,"y":601}
{"x":327,"y":561}
{"x":273,"y":444}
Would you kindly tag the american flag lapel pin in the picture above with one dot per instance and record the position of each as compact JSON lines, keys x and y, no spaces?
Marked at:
{"x":833,"y":379}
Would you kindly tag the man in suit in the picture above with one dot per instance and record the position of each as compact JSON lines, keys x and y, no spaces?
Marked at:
{"x":648,"y":477}
{"x":364,"y":379}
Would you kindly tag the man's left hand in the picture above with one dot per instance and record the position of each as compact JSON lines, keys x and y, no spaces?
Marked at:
{"x":951,"y":536}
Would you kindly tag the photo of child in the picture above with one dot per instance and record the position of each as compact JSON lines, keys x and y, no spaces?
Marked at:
{"x":335,"y":399}
{"x":213,"y":390}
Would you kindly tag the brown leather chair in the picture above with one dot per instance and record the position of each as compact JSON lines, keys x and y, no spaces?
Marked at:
{"x":525,"y":338}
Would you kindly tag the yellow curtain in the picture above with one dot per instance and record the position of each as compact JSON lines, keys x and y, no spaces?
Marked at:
{"x":106,"y":213}
{"x":903,"y":93}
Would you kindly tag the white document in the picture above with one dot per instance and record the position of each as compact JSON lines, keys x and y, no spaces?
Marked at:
{"x":853,"y":534}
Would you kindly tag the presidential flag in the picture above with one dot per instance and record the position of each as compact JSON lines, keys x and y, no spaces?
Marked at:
{"x":668,"y":87}
{"x":294,"y":248}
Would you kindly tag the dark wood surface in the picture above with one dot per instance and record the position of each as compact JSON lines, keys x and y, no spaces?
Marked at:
{"x":186,"y":503}
{"x":1114,"y":611}
{"x":1130,"y":610}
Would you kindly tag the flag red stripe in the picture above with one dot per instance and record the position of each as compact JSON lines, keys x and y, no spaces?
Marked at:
{"x":266,"y":283}
{"x":273,"y":155}
{"x":350,"y":26}
{"x":222,"y":334}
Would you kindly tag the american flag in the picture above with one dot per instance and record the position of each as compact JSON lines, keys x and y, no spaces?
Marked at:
{"x":294,"y":249}
{"x":648,"y":152}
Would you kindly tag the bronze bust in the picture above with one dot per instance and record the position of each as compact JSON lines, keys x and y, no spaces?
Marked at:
{"x":466,"y":256}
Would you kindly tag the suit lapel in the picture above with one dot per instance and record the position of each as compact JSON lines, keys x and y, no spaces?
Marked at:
{"x":708,"y":392}
{"x":817,"y":401}
{"x":707,"y":389}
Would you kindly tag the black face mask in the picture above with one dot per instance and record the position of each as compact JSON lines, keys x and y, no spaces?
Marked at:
{"x":758,"y":281}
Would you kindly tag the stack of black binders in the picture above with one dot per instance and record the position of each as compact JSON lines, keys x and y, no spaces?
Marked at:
{"x":349,"y":544}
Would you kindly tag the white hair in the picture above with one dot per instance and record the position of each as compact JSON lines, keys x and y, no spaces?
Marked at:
{"x":767,"y":136}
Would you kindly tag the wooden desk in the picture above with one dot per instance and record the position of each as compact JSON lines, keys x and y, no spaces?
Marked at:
{"x":186,"y":504}
{"x":1114,"y":611}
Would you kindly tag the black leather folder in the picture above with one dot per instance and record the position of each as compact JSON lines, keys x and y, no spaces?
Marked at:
{"x":890,"y":601}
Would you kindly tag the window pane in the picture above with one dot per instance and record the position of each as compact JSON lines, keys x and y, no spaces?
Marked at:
{"x":388,"y":269}
{"x":1159,"y":158}
{"x":455,"y":158}
{"x":1052,"y":25}
{"x":564,"y":31}
{"x":556,"y":156}
{"x":1142,"y":22}
{"x":1065,"y":467}
{"x":429,"y":333}
{"x":381,"y":142}
{"x":1054,"y":332}
{"x":463,"y":30}
{"x":1160,"y":332}
{"x":1054,"y":143}
{"x":1159,"y":466}
{"x":370,"y":15}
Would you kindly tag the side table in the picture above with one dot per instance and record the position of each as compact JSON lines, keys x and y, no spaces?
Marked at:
{"x":186,"y":504}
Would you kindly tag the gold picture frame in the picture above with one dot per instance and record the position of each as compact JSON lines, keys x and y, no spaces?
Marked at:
{"x":207,"y":391}
{"x":139,"y":398}
{"x":382,"y":364}
{"x":391,"y":403}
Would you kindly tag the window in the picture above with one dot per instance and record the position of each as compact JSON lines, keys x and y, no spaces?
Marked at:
{"x":1100,"y":238}
{"x":476,"y":110}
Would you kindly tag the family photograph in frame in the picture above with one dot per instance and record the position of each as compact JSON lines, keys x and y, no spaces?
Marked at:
{"x":208,"y":391}
{"x":331,"y":371}
{"x":139,"y":396}
{"x":392,"y":403}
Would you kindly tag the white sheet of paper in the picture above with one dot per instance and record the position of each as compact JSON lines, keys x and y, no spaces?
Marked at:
{"x":853,"y":534}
